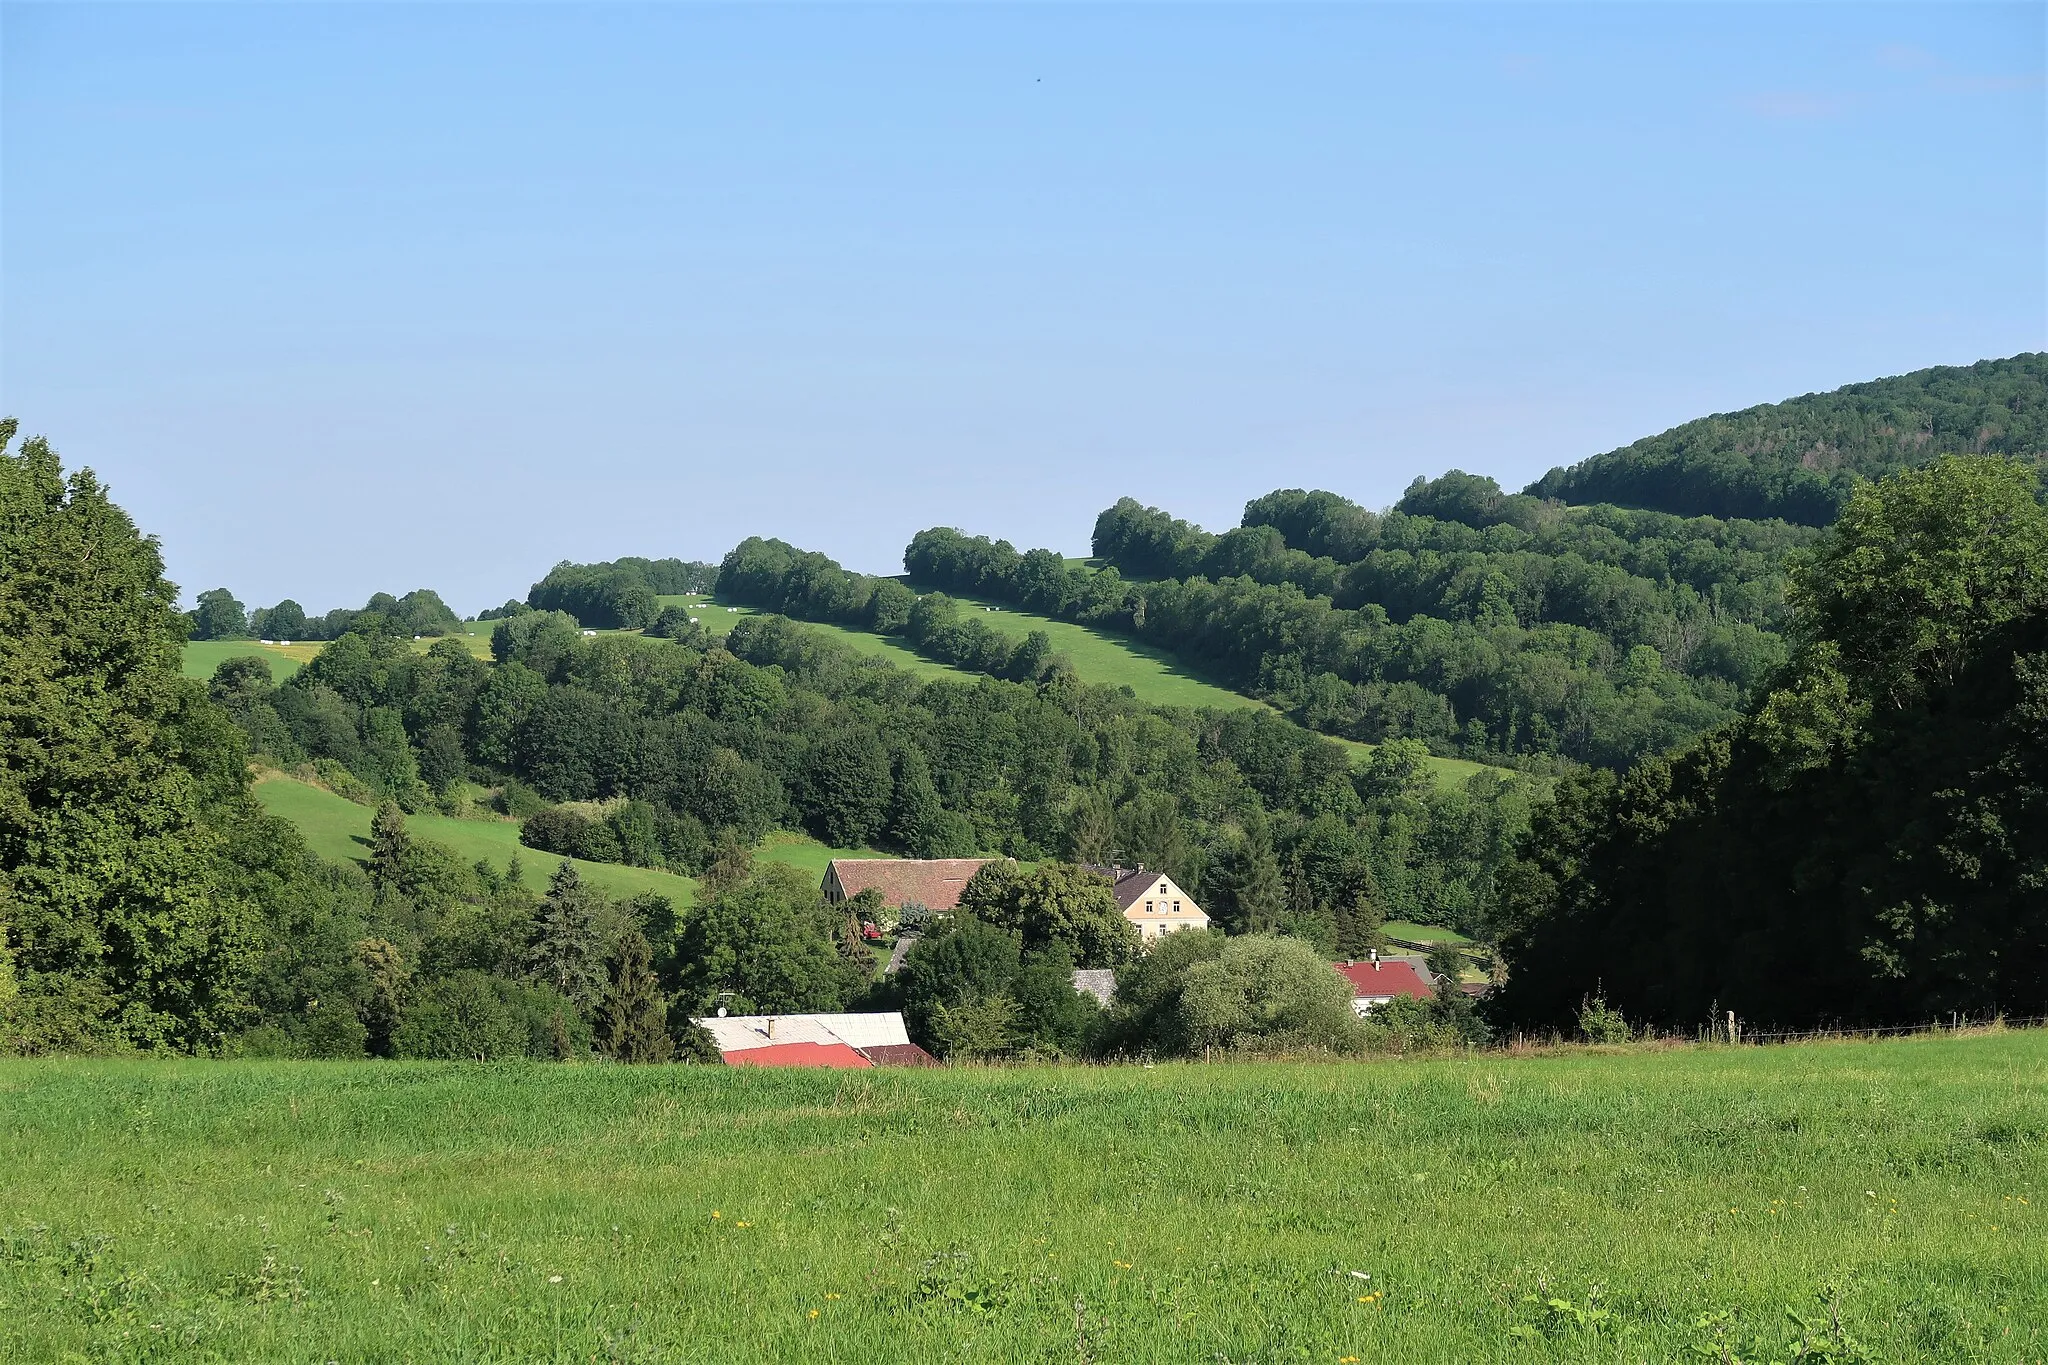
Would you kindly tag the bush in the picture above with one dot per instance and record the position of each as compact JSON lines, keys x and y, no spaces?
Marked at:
{"x":462,"y":1017}
{"x":518,"y":800}
{"x":1600,"y":1023}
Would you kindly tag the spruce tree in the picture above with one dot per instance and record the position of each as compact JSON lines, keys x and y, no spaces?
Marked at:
{"x":563,"y":949}
{"x":914,"y":809}
{"x":389,"y":845}
{"x":634,"y":1024}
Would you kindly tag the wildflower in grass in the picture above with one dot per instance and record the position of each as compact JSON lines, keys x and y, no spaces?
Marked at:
{"x":716,"y":1214}
{"x":814,"y":1313}
{"x":743,"y":1223}
{"x":832,"y":1296}
{"x":554,"y":1279}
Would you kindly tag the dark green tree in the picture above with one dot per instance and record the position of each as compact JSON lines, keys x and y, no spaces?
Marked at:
{"x":115,"y":791}
{"x":564,"y":950}
{"x":764,"y":944}
{"x":218,"y":616}
{"x":633,"y":1026}
{"x":390,"y":848}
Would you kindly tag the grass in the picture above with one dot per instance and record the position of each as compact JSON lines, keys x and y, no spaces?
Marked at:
{"x":337,"y":828}
{"x":1619,"y":1207}
{"x":202,"y":657}
{"x":1422,"y":933}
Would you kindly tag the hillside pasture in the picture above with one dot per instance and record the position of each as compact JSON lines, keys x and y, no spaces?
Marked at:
{"x":1879,"y":1202}
{"x":202,"y":657}
{"x":335,"y":827}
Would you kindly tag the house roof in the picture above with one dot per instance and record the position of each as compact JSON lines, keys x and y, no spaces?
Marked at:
{"x":1099,"y":982}
{"x":1383,"y":980}
{"x":833,"y":1056}
{"x":1132,"y":887}
{"x":751,"y":1032}
{"x":898,"y":1054}
{"x":935,"y":883}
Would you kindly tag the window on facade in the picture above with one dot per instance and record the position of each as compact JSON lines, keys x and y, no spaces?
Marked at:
{"x":1176,"y":907}
{"x":1148,"y":907}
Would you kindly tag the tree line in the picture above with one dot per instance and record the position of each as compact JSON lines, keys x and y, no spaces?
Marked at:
{"x":1493,"y":628}
{"x":217,"y":615}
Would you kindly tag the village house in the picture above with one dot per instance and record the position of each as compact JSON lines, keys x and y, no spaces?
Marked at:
{"x":844,"y":1042}
{"x":1375,"y":982}
{"x":1153,"y":902}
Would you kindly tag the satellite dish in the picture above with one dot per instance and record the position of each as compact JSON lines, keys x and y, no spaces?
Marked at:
{"x":721,"y":1011}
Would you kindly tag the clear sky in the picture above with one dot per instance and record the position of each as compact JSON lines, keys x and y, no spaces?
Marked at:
{"x":372,"y":297}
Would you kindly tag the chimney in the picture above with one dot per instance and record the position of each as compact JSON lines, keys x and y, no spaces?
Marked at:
{"x":771,"y":1026}
{"x":1375,"y":959}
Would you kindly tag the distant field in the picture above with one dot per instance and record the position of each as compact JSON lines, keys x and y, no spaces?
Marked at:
{"x":334,"y":827}
{"x":1422,"y":933}
{"x":1663,"y":1206}
{"x":202,"y":657}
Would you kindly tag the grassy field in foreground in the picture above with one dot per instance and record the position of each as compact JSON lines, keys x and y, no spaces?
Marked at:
{"x":1659,"y":1206}
{"x":337,"y":828}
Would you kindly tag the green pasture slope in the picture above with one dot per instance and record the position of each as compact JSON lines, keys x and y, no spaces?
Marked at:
{"x":1646,"y":1206}
{"x":337,"y":828}
{"x":202,"y":657}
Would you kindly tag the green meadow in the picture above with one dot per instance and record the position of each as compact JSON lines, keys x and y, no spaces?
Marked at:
{"x":1876,"y":1202}
{"x":337,"y":828}
{"x":202,"y":657}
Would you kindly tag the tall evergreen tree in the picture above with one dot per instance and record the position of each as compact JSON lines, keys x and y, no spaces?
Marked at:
{"x":634,"y":1024}
{"x":916,"y":817}
{"x":389,"y":847}
{"x":564,"y":950}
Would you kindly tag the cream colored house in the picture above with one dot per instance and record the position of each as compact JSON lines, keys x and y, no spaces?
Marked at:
{"x":1155,"y":905}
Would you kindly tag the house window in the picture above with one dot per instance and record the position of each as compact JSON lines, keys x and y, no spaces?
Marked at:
{"x":1176,"y":907}
{"x":1148,"y":907}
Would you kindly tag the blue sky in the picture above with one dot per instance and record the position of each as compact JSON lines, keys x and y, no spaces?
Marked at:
{"x":368,"y":297}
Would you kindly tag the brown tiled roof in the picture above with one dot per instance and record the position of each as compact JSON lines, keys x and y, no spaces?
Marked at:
{"x":1133,"y":886}
{"x":935,"y":883}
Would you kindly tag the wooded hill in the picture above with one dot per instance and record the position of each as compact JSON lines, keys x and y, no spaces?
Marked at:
{"x":1797,"y":460}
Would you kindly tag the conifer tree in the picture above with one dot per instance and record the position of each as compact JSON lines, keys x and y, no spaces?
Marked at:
{"x":634,"y":1024}
{"x":563,"y":949}
{"x":389,"y":845}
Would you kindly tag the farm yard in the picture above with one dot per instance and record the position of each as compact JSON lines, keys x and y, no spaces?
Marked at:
{"x":1863,"y":1201}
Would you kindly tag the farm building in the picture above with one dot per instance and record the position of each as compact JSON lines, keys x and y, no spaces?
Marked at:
{"x":1375,"y":982}
{"x":934,"y":883}
{"x":838,"y":1041}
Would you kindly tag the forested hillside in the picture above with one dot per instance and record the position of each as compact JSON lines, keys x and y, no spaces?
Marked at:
{"x":1798,"y":459}
{"x":1492,"y":627}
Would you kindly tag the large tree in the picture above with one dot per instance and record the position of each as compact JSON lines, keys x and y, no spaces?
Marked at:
{"x":114,"y":783}
{"x":1865,"y":845}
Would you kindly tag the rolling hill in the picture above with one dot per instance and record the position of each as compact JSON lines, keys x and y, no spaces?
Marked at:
{"x":1798,"y":459}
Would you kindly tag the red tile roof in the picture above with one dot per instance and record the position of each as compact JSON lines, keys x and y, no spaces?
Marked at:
{"x":935,"y":883}
{"x":834,"y":1056}
{"x":1384,"y":980}
{"x":898,"y":1054}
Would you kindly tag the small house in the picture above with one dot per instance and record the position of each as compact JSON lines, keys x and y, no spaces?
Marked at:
{"x":1375,"y":982}
{"x":1154,"y":903}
